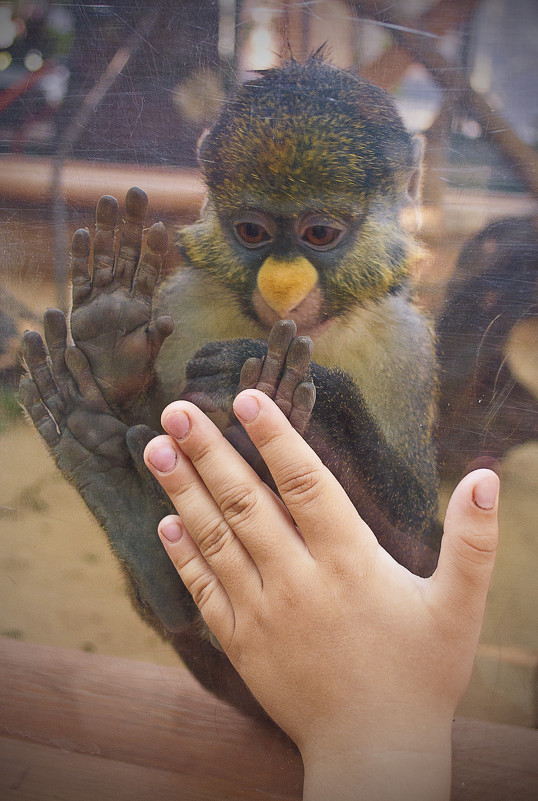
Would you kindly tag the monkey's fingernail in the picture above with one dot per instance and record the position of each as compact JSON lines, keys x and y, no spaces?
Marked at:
{"x":246,"y":407}
{"x":163,"y":457}
{"x":171,"y":529}
{"x":177,"y":424}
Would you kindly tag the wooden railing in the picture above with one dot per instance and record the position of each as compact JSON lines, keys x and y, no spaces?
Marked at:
{"x":85,"y":727}
{"x":174,"y":190}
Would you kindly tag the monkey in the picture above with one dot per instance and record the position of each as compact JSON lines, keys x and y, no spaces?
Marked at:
{"x":483,"y":406}
{"x":300,"y":241}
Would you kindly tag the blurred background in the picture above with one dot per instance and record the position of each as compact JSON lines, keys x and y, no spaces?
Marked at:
{"x":96,"y":97}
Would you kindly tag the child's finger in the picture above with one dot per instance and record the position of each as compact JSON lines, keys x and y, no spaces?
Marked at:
{"x":469,"y":545}
{"x":313,"y":496}
{"x":207,"y":591}
{"x":215,"y":539}
{"x":256,"y":517}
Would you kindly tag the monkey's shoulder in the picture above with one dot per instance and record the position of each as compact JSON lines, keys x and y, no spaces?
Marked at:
{"x":203,"y":311}
{"x":388,"y":349}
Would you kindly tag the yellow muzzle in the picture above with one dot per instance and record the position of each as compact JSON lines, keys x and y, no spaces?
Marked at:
{"x":284,"y":284}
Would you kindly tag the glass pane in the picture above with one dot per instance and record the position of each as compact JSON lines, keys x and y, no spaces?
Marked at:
{"x":98,"y":97}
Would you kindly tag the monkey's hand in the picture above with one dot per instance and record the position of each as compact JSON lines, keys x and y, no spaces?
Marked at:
{"x":279,"y":368}
{"x":67,"y":407}
{"x":112,"y":308}
{"x":103,"y":459}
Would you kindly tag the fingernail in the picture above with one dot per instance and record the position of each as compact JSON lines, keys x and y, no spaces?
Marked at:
{"x":163,"y":457}
{"x":246,"y":407}
{"x":171,"y":529}
{"x":486,"y":491}
{"x":177,"y":424}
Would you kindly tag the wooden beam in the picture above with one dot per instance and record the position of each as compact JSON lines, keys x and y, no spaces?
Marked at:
{"x":174,"y":191}
{"x":90,"y":727}
{"x":136,"y":714}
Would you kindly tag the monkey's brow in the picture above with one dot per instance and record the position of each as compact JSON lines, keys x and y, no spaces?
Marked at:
{"x":282,"y":210}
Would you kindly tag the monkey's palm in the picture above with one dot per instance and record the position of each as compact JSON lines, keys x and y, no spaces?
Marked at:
{"x":111,"y":317}
{"x":112,"y":330}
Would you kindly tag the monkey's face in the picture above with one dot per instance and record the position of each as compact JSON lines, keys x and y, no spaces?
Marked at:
{"x":286,"y":260}
{"x":306,"y":171}
{"x":288,"y":281}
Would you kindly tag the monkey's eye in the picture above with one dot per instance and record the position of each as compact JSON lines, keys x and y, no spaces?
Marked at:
{"x":320,"y":233}
{"x":251,"y":234}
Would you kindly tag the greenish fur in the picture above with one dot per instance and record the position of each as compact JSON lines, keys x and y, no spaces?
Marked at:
{"x":302,"y":139}
{"x":305,"y":129}
{"x":385,"y":346}
{"x":312,"y":139}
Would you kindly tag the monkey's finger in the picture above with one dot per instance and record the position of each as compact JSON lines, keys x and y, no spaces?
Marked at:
{"x":36,"y":357}
{"x":158,"y":331}
{"x":79,"y":266}
{"x":196,"y":574}
{"x":137,"y":438}
{"x":204,"y":519}
{"x":55,"y":326}
{"x":468,"y":549}
{"x":250,"y":374}
{"x":39,"y":414}
{"x":149,"y":268}
{"x":106,"y":216}
{"x":313,"y":496}
{"x":304,"y":399}
{"x":79,"y":367}
{"x":295,"y":371}
{"x":136,"y":206}
{"x":280,"y":339}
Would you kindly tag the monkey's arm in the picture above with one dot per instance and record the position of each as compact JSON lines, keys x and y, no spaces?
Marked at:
{"x":92,"y":449}
{"x":395,"y":496}
{"x":103,"y":459}
{"x":111,"y":318}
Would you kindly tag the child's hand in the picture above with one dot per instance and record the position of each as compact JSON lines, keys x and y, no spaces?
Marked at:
{"x":359,"y":661}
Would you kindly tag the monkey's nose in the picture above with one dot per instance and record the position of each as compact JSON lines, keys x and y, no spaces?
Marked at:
{"x":283,"y":284}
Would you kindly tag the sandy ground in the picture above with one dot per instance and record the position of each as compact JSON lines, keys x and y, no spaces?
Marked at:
{"x":59,"y":583}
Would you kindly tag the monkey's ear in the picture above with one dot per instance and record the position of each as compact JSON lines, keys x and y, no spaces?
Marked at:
{"x":201,"y":151}
{"x":414,"y":186}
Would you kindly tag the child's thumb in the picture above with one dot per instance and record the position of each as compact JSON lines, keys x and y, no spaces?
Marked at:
{"x":469,"y":544}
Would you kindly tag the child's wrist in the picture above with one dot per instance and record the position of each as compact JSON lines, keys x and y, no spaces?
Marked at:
{"x":412,"y":765}
{"x":390,"y":776}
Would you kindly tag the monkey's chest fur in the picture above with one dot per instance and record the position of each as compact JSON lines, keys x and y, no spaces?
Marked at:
{"x":386,"y":347}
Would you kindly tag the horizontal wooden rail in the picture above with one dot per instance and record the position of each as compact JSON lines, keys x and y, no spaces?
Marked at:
{"x":178,"y":193}
{"x":87,"y":727}
{"x":173,"y":190}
